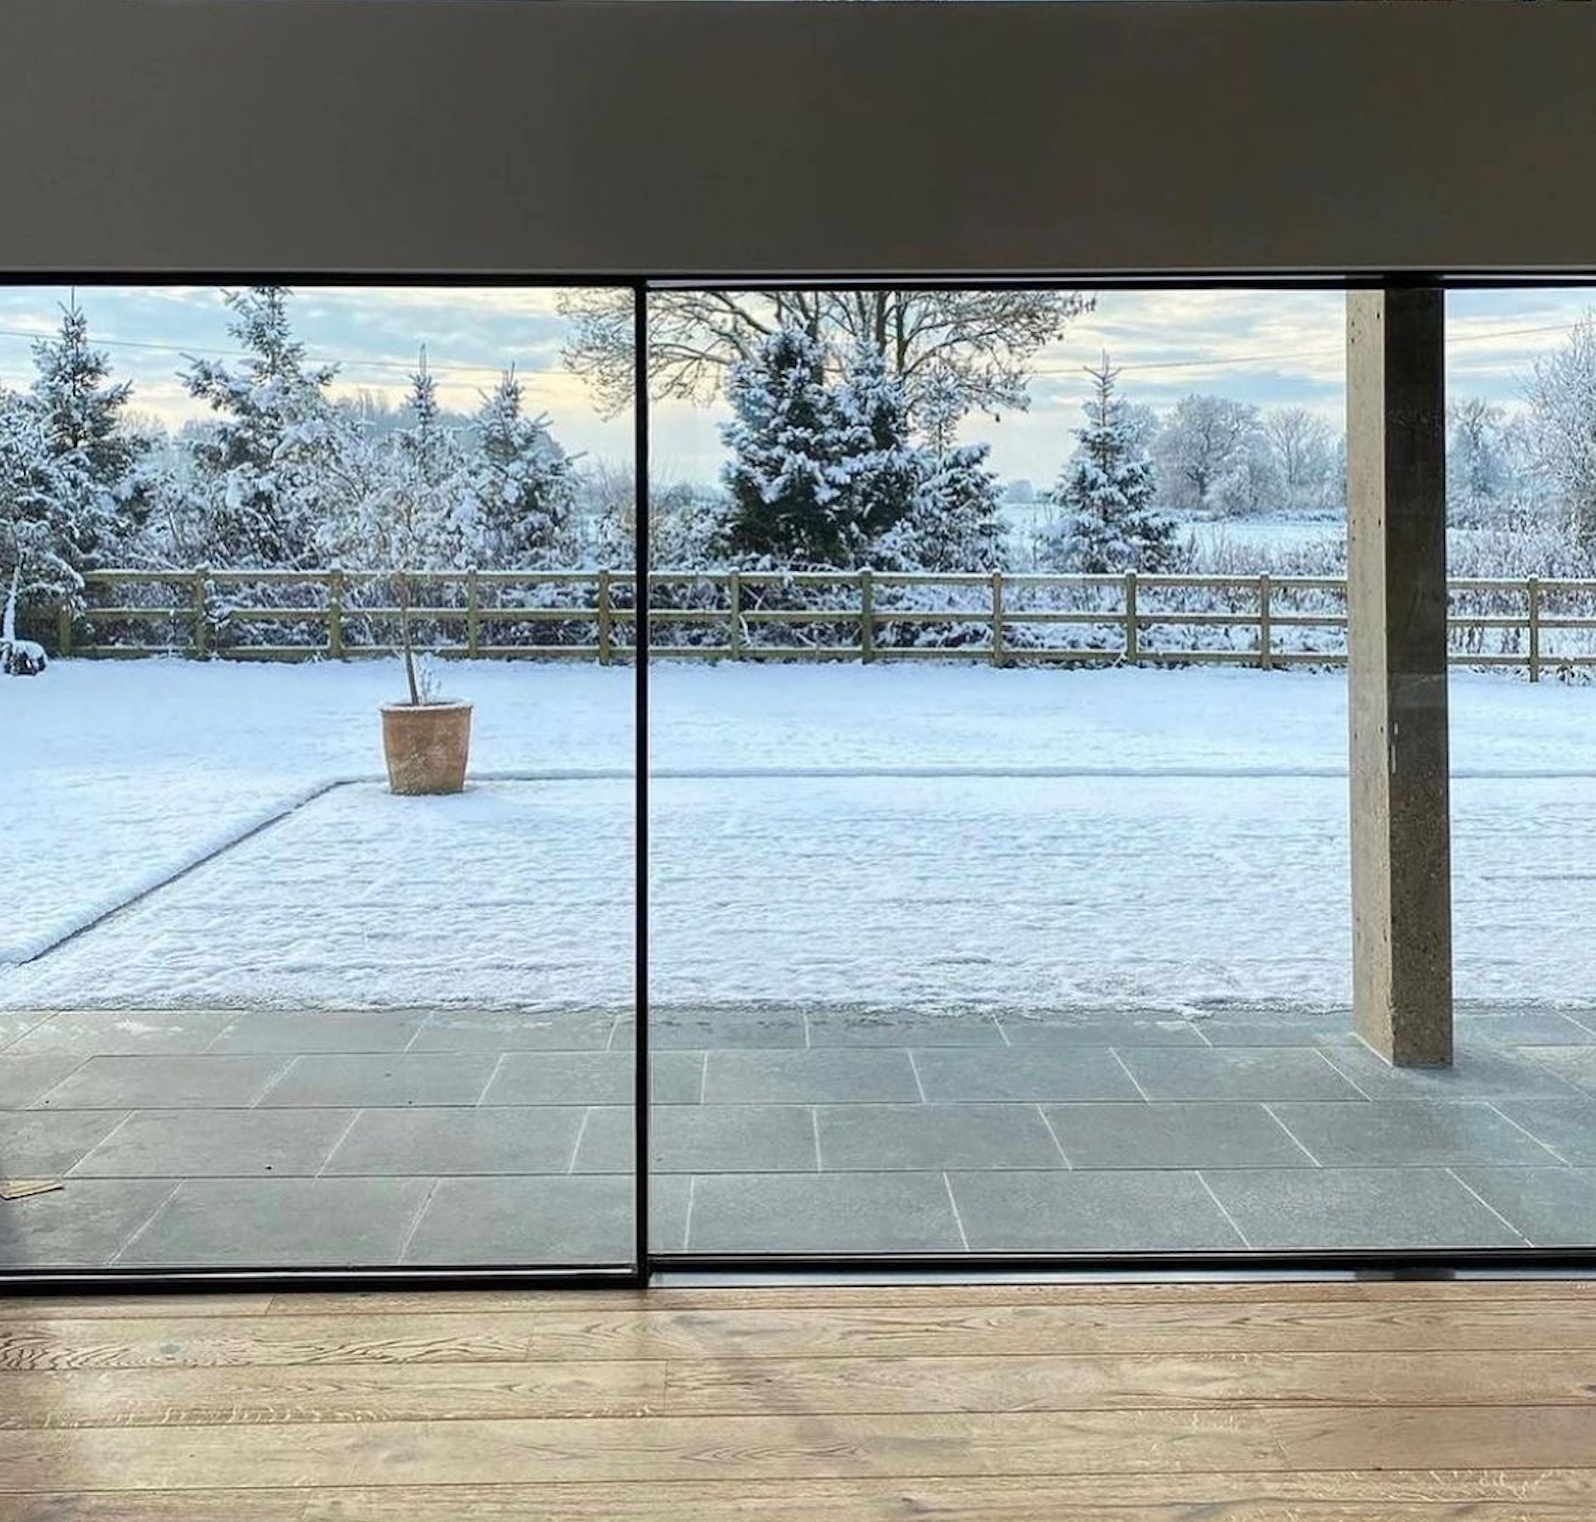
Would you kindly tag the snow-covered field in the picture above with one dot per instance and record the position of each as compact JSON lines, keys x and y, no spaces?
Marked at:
{"x":892,"y":835}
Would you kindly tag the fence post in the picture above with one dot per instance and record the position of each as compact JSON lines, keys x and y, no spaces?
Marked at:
{"x":335,"y":615}
{"x":198,"y":599}
{"x":734,"y":615}
{"x":63,"y":629}
{"x":1534,"y":589}
{"x":604,"y":618}
{"x":997,"y":618}
{"x":1266,"y":656}
{"x":1133,"y":646}
{"x":867,"y":617}
{"x":473,"y":614}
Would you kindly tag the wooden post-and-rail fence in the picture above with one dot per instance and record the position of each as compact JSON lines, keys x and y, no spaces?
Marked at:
{"x":865,"y":615}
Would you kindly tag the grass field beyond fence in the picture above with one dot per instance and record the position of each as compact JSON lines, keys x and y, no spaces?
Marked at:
{"x":1536,"y":625}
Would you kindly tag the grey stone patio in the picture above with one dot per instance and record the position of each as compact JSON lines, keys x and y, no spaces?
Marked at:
{"x":265,"y":1138}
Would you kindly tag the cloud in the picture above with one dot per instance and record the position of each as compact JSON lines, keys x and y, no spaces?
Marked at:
{"x":1267,"y":347}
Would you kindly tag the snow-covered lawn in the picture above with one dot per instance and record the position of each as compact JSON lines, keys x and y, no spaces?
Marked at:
{"x":896,"y":835}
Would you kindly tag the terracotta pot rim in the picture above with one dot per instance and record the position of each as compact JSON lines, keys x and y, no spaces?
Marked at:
{"x":445,"y":705}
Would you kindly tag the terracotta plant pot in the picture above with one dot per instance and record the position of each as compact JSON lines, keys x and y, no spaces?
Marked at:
{"x":426,"y":745}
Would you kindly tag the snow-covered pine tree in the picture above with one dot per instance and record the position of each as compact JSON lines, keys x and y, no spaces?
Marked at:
{"x":883,"y":469}
{"x":1108,"y":521}
{"x":33,"y":530}
{"x":267,"y":467}
{"x":107,"y":487}
{"x":520,"y":502}
{"x":955,"y":523}
{"x":788,"y":476}
{"x":427,"y":485}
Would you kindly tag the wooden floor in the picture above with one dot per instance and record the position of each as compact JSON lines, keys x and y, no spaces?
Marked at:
{"x":1100,"y":1403}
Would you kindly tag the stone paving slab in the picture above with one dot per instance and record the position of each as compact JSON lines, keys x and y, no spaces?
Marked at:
{"x":285,"y":1222}
{"x":1478,"y":1072}
{"x":1104,"y":1030}
{"x":46,"y":1143}
{"x":824,"y":1213}
{"x":1216,"y":1134}
{"x":83,"y":1225}
{"x":24,"y":1079}
{"x":163,"y":1082}
{"x":126,"y":1034}
{"x":810,"y":1077}
{"x":1280,"y":1210}
{"x":1567,"y":1126}
{"x":1551,"y":1207}
{"x":1090,"y":1212}
{"x":1571,"y":1066}
{"x":335,"y":1031}
{"x":593,"y":1078}
{"x":402,"y":1078}
{"x":448,"y":1141}
{"x":867,"y":1028}
{"x":1273,"y":1073}
{"x":216,"y":1143}
{"x":467,"y":1031}
{"x":707,"y":1139}
{"x":1032,"y":1075}
{"x":1422,"y":1133}
{"x":556,"y":1220}
{"x":864,"y":1137}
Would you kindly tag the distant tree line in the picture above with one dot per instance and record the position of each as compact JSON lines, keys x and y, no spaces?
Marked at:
{"x":846,"y":446}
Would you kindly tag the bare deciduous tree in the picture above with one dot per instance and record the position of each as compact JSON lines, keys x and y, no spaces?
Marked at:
{"x":1562,"y":421}
{"x":1304,"y":449}
{"x":982,"y":343}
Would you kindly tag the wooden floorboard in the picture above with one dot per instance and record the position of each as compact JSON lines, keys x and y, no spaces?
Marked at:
{"x":1380,"y":1402}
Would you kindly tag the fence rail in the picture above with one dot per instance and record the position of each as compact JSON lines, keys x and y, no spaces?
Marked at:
{"x":997,"y":618}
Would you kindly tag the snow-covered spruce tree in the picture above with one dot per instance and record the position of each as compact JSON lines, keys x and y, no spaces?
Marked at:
{"x":882,"y":469}
{"x":788,"y":477}
{"x":105,"y":480}
{"x":265,"y":467}
{"x":429,"y":468}
{"x":33,"y":530}
{"x":955,"y":522}
{"x":1108,"y":522}
{"x":520,"y":498}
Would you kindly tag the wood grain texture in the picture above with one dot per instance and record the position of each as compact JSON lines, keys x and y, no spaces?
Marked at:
{"x":328,"y":1394}
{"x":986,"y":1403}
{"x":1546,"y":1496}
{"x":797,"y":1332}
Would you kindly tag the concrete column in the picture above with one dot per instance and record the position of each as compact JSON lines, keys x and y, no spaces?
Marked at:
{"x":1396,"y":698}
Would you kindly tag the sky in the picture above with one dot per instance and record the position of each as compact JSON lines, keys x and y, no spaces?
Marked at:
{"x":1270,"y":348}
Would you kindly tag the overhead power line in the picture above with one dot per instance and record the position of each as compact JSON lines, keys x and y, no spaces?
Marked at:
{"x":1220,"y":362}
{"x":404,"y":367}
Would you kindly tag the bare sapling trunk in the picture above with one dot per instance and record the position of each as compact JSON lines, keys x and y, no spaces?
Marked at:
{"x":403,"y":586}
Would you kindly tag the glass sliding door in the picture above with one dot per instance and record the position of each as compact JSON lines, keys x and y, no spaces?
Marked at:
{"x":320,"y":804}
{"x":999,"y":853}
{"x":1521,"y":388}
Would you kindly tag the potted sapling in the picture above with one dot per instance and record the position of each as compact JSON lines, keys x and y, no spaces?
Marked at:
{"x":426,"y":739}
